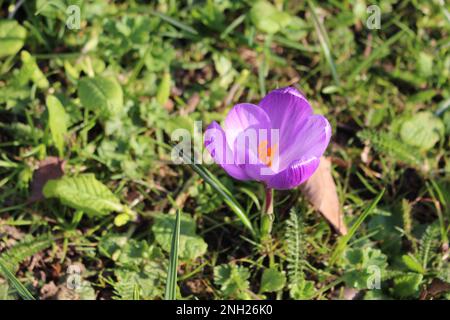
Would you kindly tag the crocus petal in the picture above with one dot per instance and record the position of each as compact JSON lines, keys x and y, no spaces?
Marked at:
{"x":295,"y":174}
{"x":245,"y":126}
{"x":217,"y":146}
{"x":279,"y":142}
{"x":285,"y":108}
{"x":288,"y":110}
{"x":310,"y":140}
{"x":242,"y":117}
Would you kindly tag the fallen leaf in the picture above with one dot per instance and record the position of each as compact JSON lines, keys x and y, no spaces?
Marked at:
{"x":320,"y":190}
{"x":192,"y":103}
{"x":48,"y":291}
{"x":434,"y":289}
{"x":49,"y":168}
{"x":345,"y":293}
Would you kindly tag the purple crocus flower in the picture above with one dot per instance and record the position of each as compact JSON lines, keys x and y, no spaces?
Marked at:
{"x":278,"y":142}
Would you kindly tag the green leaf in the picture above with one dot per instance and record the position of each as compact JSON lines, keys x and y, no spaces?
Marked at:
{"x":407,"y":285}
{"x":12,"y":37}
{"x":30,"y":71}
{"x":6,"y":292}
{"x":26,"y":248}
{"x":164,"y":89}
{"x":102,"y":95}
{"x":21,"y":290}
{"x":267,"y":18}
{"x":446,"y":120}
{"x":359,"y":266}
{"x":218,"y":186}
{"x":272,"y":280}
{"x":226,"y":195}
{"x":422,"y":130}
{"x":171,"y":285}
{"x":121,"y":219}
{"x":50,"y":8}
{"x":9,"y":260}
{"x":146,"y":283}
{"x":191,"y":245}
{"x":342,"y":243}
{"x":128,"y":253}
{"x":324,"y":42}
{"x":175,"y":22}
{"x":303,"y":290}
{"x":412,"y":263}
{"x":425,"y":64}
{"x":233,"y":280}
{"x":140,"y":268}
{"x":390,"y":145}
{"x":57,"y":119}
{"x":84,"y":192}
{"x":111,"y":245}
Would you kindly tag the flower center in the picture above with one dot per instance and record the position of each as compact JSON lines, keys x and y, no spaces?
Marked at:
{"x":266,"y":153}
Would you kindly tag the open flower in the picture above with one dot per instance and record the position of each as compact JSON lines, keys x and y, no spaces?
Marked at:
{"x":278,"y":142}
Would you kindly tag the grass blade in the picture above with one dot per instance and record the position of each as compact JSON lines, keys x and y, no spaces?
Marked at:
{"x":21,"y":290}
{"x":233,"y":26}
{"x":325,"y":43}
{"x":215,"y":183}
{"x":225,"y":194}
{"x":223,"y":191}
{"x":378,"y":53}
{"x":342,"y":243}
{"x":176,"y":23}
{"x":171,"y":284}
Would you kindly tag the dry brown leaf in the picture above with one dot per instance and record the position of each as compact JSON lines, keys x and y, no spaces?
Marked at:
{"x":434,"y":289}
{"x":49,"y":168}
{"x":48,"y":291}
{"x":320,"y":190}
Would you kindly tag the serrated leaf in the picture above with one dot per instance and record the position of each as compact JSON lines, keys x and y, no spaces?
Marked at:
{"x":84,"y":192}
{"x":111,"y":245}
{"x":102,"y":95}
{"x":390,"y":145}
{"x":412,"y":263}
{"x":26,"y":248}
{"x":149,"y":282}
{"x":304,"y":290}
{"x":233,"y":280}
{"x":407,"y":285}
{"x":12,"y":37}
{"x":361,"y":264}
{"x":191,"y":245}
{"x":272,"y":280}
{"x":57,"y":121}
{"x":140,"y":267}
{"x":422,"y":130}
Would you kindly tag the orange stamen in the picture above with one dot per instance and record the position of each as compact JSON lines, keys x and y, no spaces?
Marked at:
{"x":266,"y":153}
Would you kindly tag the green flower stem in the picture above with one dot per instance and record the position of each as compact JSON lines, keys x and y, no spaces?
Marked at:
{"x":267,"y":216}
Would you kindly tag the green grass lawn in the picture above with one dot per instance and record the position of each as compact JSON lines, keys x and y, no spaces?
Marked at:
{"x":91,"y":93}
